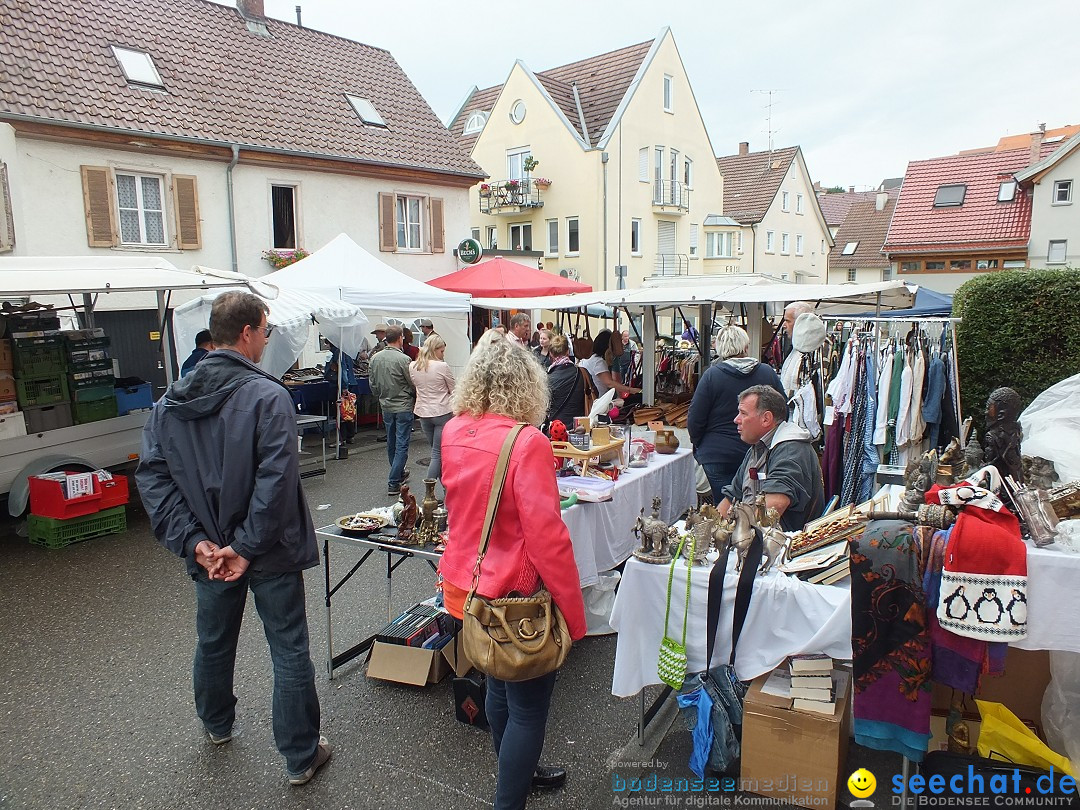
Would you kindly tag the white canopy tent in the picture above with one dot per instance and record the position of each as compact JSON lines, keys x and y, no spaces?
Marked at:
{"x":292,"y":313}
{"x":343,"y":270}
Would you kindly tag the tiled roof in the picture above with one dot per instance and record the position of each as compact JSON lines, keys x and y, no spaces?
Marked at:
{"x":835,"y":205}
{"x":601,"y":80}
{"x":867,"y":226}
{"x":751,"y":182}
{"x":223,"y":83}
{"x":981,"y":221}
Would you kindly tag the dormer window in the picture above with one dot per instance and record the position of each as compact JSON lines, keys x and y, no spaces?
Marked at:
{"x":1007,"y":191}
{"x":950,"y":196}
{"x":850,"y":248}
{"x":366,"y":111}
{"x":138,"y":67}
{"x":475,"y":122}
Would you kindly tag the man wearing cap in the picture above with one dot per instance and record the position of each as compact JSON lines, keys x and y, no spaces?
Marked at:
{"x":392,"y":384}
{"x":426,"y":328}
{"x":380,"y":339}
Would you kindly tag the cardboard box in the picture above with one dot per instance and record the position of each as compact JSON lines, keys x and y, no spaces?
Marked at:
{"x":796,"y":757}
{"x":8,"y":391}
{"x":7,"y":361}
{"x":416,"y":666}
{"x":1020,"y":688}
{"x":9,"y":408}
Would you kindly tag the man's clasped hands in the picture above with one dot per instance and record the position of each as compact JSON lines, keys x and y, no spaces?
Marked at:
{"x":222,"y":564}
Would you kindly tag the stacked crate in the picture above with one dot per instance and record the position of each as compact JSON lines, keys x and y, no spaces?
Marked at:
{"x":90,"y":375}
{"x":41,"y":376}
{"x":11,"y":421}
{"x":60,"y":516}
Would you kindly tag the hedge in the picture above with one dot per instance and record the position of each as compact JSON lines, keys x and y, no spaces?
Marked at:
{"x":1020,"y":329}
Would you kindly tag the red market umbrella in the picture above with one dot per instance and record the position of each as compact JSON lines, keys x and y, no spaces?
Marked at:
{"x":502,"y":278}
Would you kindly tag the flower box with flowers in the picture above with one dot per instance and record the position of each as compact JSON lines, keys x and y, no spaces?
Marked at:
{"x":541,"y":182}
{"x":485,"y":190}
{"x":283,"y":257}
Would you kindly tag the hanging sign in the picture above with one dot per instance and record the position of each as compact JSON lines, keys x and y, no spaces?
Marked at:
{"x":469,"y":251}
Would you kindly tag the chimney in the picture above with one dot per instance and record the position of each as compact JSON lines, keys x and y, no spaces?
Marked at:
{"x":880,"y":200}
{"x":817,"y":186}
{"x":851,"y":189}
{"x":299,"y":19}
{"x":251,"y":9}
{"x":744,"y":147}
{"x":1036,"y":142}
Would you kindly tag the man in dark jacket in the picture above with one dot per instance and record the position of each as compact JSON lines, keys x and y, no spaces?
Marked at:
{"x":711,"y":420}
{"x":781,"y":463}
{"x":204,"y":344}
{"x":219,"y":478}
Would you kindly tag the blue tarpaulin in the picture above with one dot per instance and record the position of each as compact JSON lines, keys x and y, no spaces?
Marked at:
{"x":927,"y":304}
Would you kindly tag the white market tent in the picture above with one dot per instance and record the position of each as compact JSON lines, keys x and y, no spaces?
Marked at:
{"x":292,"y":314}
{"x":750,"y":295}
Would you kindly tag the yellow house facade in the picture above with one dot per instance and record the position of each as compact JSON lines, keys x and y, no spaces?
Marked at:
{"x":624,"y":176}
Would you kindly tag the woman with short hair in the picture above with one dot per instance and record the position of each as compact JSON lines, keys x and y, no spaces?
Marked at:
{"x":434,"y":383}
{"x":565,"y":383}
{"x":529,"y":545}
{"x":711,"y":420}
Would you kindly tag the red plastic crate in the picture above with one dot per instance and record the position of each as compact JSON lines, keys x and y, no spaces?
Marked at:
{"x":47,"y":498}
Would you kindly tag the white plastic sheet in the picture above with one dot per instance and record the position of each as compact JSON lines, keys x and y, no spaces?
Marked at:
{"x":1051,"y":426}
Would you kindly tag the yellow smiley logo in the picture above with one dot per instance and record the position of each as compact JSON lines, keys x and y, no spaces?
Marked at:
{"x":862,"y":783}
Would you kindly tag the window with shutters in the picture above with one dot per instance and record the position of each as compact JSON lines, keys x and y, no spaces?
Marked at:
{"x":643,"y":164}
{"x":283,"y":205}
{"x":7,"y":222}
{"x":409,"y":222}
{"x":140,"y":201}
{"x":635,"y":237}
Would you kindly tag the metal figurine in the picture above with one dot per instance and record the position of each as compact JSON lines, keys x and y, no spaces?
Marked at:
{"x":407,"y":523}
{"x":652,"y":533}
{"x":742,"y":535}
{"x":1003,"y":433}
{"x":775,"y":545}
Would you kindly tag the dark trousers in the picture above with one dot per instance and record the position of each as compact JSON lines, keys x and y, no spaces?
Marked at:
{"x":279,"y":600}
{"x":517,"y":713}
{"x":720,"y":475}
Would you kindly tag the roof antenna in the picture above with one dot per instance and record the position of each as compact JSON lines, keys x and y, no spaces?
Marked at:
{"x":768,"y":116}
{"x":299,"y":22}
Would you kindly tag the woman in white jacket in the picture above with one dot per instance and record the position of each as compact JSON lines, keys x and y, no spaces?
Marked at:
{"x":434,"y":384}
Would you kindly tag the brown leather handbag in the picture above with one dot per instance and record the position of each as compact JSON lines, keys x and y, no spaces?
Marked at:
{"x":513,"y":638}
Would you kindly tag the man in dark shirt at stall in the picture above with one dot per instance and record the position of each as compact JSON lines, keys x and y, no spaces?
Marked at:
{"x":204,"y":344}
{"x":781,"y":463}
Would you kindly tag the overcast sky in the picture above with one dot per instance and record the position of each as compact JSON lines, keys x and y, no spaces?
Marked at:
{"x":864,"y":85}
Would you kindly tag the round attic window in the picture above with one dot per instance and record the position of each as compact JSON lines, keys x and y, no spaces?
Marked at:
{"x":517,"y":112}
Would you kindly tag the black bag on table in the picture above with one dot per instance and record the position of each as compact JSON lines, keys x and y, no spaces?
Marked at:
{"x":1035,"y":784}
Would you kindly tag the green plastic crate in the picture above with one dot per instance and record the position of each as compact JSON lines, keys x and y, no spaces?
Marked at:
{"x":57,"y":533}
{"x":39,"y":357}
{"x":95,"y":410}
{"x":33,"y":393}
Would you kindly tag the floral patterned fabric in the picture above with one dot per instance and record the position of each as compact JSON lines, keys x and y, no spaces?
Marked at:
{"x":890,"y":642}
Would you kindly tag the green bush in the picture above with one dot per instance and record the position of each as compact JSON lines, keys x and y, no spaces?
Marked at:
{"x":1020,"y":329}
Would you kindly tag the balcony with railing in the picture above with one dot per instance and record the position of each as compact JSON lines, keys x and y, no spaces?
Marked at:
{"x":670,"y":197}
{"x":510,"y":196}
{"x":671,"y":264}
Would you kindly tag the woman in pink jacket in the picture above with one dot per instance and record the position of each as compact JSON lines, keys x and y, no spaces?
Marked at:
{"x":500,"y":387}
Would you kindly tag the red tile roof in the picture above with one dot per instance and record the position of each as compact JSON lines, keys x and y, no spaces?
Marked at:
{"x":836,"y":204}
{"x":602,"y":82}
{"x":867,"y":226}
{"x":751,"y":182}
{"x":981,"y":222}
{"x":223,"y":83}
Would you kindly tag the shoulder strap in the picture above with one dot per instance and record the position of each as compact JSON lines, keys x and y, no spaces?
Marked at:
{"x":745,"y":589}
{"x":716,"y":598}
{"x":671,"y":576}
{"x":497,"y":482}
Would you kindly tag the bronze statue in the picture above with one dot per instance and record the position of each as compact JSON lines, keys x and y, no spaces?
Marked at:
{"x":917,"y":476}
{"x":1003,"y":433}
{"x":973,"y":456}
{"x":652,"y":533}
{"x":407,"y":523}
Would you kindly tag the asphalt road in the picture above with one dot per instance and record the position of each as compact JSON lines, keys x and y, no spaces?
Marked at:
{"x":96,"y":708}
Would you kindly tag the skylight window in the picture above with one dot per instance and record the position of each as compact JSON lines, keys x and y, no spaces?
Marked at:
{"x":1007,"y":191}
{"x":475,"y":122}
{"x":366,"y":110}
{"x":950,"y":196}
{"x":138,"y":67}
{"x":850,"y":248}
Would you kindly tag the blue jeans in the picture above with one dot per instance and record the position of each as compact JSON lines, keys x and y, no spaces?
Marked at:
{"x":720,"y":476}
{"x":398,"y":432}
{"x":432,"y":427}
{"x":279,"y":600}
{"x":517,"y":713}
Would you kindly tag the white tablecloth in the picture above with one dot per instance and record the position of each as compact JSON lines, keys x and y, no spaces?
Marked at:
{"x":603,"y":533}
{"x":787,"y":616}
{"x":1053,"y":600}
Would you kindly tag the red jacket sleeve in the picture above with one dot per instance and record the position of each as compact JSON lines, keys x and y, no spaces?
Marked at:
{"x":547,"y":540}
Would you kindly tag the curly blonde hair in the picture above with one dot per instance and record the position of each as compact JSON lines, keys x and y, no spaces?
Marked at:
{"x":502,"y":378}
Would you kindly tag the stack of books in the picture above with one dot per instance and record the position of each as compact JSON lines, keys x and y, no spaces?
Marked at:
{"x":825,"y":565}
{"x":812,"y":684}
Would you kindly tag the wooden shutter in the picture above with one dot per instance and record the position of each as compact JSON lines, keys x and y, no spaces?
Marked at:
{"x":99,"y":203}
{"x":387,"y":223}
{"x":438,"y":226}
{"x":186,"y":201}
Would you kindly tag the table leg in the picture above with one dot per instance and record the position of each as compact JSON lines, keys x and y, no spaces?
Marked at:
{"x":389,"y":589}
{"x":641,"y":718}
{"x":329,"y":632}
